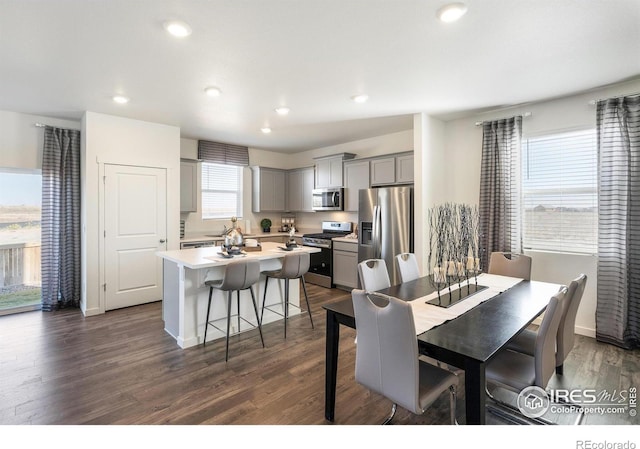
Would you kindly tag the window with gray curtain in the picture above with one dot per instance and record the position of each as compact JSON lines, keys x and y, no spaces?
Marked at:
{"x":499,"y":206}
{"x":60,"y":218}
{"x":618,"y":297}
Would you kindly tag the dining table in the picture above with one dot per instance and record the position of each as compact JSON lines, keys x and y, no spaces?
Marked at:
{"x":468,"y":341}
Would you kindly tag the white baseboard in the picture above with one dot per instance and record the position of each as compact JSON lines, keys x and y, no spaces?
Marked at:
{"x":580,"y":330}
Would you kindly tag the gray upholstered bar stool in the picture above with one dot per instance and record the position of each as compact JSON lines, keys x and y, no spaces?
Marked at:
{"x":294,"y":266}
{"x":238,"y":275}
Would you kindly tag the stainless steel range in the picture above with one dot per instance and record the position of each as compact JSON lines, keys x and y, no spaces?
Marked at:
{"x":320,"y":268}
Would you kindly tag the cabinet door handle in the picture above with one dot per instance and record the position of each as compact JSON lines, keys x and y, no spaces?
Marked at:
{"x":162,"y":240}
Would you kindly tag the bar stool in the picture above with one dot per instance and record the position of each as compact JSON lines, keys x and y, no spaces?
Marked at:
{"x":294,"y":266}
{"x":238,"y":275}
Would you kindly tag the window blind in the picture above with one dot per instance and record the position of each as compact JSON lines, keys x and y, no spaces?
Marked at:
{"x":223,"y":153}
{"x":221,"y":191}
{"x":559,"y":192}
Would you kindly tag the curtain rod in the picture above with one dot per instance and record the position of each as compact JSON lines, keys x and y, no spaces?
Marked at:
{"x":526,"y":114}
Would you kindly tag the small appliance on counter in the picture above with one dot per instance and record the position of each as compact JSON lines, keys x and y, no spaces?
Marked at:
{"x":288,"y":223}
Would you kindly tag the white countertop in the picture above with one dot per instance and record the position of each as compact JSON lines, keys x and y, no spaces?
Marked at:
{"x":196,"y":258}
{"x":345,"y":240}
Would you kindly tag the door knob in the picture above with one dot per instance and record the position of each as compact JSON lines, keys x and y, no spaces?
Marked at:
{"x":162,"y":240}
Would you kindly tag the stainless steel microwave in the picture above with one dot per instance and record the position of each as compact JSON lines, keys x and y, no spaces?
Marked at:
{"x":328,"y":199}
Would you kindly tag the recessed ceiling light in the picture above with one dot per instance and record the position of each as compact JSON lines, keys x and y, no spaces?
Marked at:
{"x":213,"y":91}
{"x":282,"y":110}
{"x":451,"y":12}
{"x":362,"y":98}
{"x":265,"y":130}
{"x":120,"y":99}
{"x":177,"y":28}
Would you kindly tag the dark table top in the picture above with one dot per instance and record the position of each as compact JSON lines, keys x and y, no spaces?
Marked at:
{"x":479,"y":333}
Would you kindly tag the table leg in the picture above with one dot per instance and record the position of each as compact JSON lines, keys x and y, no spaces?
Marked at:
{"x":474,"y":391}
{"x":331,"y":365}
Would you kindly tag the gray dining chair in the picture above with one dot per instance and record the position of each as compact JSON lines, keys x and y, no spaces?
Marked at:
{"x":525,"y":341}
{"x":387,"y":359}
{"x":510,"y":264}
{"x":294,"y":266}
{"x":373,"y":274}
{"x":407,"y":267}
{"x":517,"y":371}
{"x":238,"y":275}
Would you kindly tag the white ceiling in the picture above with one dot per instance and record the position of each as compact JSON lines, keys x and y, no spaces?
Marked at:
{"x":59,"y":58}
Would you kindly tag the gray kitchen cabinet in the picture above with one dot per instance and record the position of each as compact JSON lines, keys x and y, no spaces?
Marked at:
{"x":268,"y":189}
{"x":328,"y":170}
{"x":300,"y":190}
{"x":404,"y":169}
{"x":188,"y":186}
{"x":356,"y":177}
{"x":383,"y":171}
{"x":345,"y":264}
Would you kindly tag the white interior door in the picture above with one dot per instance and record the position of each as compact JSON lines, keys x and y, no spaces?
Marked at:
{"x":135,"y":229}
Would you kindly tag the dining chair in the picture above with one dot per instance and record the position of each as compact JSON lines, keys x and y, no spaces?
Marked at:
{"x":294,"y":266}
{"x":510,"y":264}
{"x":238,"y":275}
{"x":373,"y":274}
{"x":517,"y":371}
{"x":407,"y":267}
{"x":387,"y":359}
{"x":525,"y":341}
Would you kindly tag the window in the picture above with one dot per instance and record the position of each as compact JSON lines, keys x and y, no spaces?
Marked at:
{"x":20,"y":216}
{"x":559,"y":192}
{"x":221,"y":191}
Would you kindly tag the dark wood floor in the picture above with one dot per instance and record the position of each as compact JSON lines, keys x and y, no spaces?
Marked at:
{"x":122,"y":368}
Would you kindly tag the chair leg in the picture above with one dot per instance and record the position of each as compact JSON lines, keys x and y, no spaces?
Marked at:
{"x":255,"y":308}
{"x":238,"y":298}
{"x":452,"y":404}
{"x":229,"y":296}
{"x":206,"y":323}
{"x":394,"y":407}
{"x":286,"y":305}
{"x":304,"y":288}
{"x":264,"y":298}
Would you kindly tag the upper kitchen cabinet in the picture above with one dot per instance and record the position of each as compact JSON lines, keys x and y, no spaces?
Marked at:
{"x":389,"y":170}
{"x":188,"y":186}
{"x":404,"y":169}
{"x":356,"y":177}
{"x":328,"y":170}
{"x":300,"y":190}
{"x":268,"y":190}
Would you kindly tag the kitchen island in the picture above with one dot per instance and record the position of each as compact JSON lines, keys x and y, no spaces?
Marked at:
{"x":184,"y":305}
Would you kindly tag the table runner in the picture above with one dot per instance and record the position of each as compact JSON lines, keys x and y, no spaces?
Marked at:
{"x":427,"y":316}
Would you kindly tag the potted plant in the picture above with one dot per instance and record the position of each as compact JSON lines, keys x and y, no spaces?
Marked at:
{"x":265,"y":223}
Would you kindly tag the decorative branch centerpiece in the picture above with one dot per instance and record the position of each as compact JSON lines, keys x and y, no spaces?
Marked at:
{"x":453,"y":252}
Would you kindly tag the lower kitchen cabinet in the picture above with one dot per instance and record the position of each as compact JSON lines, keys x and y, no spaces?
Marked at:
{"x":345,"y":264}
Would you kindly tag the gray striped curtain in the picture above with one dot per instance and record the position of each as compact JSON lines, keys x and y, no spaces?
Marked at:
{"x":60,"y":218}
{"x":499,"y":206}
{"x":618,"y":303}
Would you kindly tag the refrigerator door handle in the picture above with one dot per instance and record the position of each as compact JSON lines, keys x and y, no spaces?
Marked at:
{"x":376,"y":232}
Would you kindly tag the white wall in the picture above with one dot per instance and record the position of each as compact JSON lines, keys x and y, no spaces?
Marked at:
{"x":462,"y":168}
{"x":116,"y":140}
{"x":305,"y":221}
{"x":21,"y":141}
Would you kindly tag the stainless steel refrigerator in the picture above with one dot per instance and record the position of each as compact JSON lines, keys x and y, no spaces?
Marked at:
{"x":385,"y":223}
